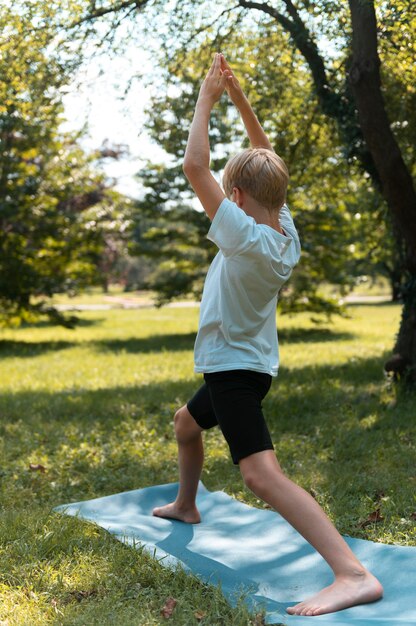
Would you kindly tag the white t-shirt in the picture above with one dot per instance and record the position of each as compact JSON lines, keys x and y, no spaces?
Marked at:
{"x":237,"y":325}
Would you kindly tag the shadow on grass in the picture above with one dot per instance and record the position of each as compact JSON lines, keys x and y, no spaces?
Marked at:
{"x":80,"y":322}
{"x":299,"y":398}
{"x":99,"y":442}
{"x":302,"y":397}
{"x":154,"y":343}
{"x":305,"y":335}
{"x":104,"y":441}
{"x":11,"y":348}
{"x":180,"y":342}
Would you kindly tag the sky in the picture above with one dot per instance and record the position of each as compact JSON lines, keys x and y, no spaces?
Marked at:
{"x":96,"y":98}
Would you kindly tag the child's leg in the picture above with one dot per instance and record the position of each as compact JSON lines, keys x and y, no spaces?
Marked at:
{"x":353,"y":583}
{"x":190,"y":458}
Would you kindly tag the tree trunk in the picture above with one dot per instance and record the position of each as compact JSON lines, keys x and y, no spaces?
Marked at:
{"x":396,"y":277}
{"x":396,"y":182}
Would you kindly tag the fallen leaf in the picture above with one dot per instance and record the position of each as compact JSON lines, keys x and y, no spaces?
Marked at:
{"x":199,"y":615}
{"x":37,"y":467}
{"x":169,"y":607}
{"x":54,"y":603}
{"x":373,"y":518}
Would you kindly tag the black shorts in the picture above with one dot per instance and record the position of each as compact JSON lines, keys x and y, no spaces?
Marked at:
{"x":232,"y":401}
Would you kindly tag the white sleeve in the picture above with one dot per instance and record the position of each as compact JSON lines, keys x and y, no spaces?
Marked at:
{"x":288,"y":225}
{"x":232,"y":230}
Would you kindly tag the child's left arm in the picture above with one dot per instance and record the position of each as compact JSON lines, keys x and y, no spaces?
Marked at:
{"x":197,"y":154}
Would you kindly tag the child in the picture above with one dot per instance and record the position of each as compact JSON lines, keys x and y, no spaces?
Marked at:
{"x":236,"y":347}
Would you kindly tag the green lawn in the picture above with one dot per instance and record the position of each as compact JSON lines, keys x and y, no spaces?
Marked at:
{"x":94,"y":406}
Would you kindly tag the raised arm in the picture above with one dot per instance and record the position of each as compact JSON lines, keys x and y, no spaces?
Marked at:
{"x":255,"y":132}
{"x":197,"y":154}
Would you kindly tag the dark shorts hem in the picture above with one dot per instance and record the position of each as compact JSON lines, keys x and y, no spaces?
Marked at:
{"x":243,"y":455}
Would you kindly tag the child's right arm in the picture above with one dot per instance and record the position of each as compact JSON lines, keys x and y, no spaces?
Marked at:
{"x":256,"y":134}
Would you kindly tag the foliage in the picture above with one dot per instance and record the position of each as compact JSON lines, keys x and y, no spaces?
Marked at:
{"x":318,"y":35}
{"x":397,"y":41}
{"x":53,"y":200}
{"x":95,"y":409}
{"x":326,"y":195}
{"x":371,"y":246}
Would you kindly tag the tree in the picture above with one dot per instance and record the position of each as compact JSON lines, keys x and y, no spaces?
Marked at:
{"x":380,"y":155}
{"x":327,"y":198}
{"x":348,"y":88}
{"x":396,"y":181}
{"x":51,"y":192}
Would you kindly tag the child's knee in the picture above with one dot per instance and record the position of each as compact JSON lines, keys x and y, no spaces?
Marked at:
{"x":253,"y":480}
{"x":186,"y":428}
{"x":259,"y":476}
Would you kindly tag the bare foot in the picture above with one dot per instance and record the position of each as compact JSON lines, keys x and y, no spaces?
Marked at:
{"x":346,"y":591}
{"x":173,"y":511}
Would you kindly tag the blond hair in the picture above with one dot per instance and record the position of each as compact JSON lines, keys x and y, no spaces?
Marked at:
{"x":260,"y":173}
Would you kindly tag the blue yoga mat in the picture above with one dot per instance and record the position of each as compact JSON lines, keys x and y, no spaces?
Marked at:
{"x":253,"y":551}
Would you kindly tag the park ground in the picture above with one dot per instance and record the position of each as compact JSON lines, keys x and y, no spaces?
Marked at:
{"x":88,"y":412}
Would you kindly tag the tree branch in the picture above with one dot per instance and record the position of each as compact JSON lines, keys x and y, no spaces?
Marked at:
{"x":306,"y":45}
{"x":96,"y":13}
{"x":337,"y":106}
{"x":194,"y":34}
{"x":266,"y":8}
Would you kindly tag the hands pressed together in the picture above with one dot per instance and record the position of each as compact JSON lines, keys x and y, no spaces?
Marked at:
{"x":219,"y":78}
{"x":196,"y":164}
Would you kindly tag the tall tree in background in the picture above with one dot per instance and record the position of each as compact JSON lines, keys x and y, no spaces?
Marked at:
{"x":396,"y":181}
{"x":348,"y":89}
{"x":371,"y":141}
{"x":54,"y":203}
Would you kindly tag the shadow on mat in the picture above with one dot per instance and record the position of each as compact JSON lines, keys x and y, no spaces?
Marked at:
{"x":216,"y":573}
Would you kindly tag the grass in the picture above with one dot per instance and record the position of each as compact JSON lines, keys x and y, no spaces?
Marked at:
{"x":94,"y":406}
{"x":95,"y":295}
